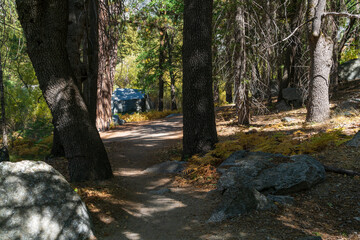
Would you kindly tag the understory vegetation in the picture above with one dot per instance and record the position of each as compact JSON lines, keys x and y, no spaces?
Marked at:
{"x":269,"y":134}
{"x":146,"y":116}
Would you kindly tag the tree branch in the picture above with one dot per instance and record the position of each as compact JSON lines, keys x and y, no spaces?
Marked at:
{"x":291,"y":34}
{"x":319,"y":12}
{"x":341,"y":14}
{"x":341,"y":171}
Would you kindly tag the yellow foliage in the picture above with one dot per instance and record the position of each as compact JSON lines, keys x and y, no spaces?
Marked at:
{"x":146,"y":116}
{"x":47,"y":140}
{"x":31,"y":149}
{"x":286,"y":144}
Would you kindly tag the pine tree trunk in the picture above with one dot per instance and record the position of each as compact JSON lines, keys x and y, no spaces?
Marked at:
{"x":321,"y":49}
{"x":170,"y":41}
{"x":318,"y":108}
{"x":45,"y":28}
{"x":229,"y":91}
{"x":107,"y":50}
{"x":4,"y":155}
{"x":92,"y":59}
{"x":76,"y":30}
{"x":198,"y":106}
{"x":241,"y":84}
{"x":161,"y":70}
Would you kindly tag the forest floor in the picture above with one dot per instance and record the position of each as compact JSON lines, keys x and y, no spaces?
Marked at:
{"x":129,"y":206}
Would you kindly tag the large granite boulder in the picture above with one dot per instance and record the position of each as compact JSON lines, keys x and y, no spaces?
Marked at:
{"x":237,"y":201}
{"x":256,"y":179}
{"x":117,"y":121}
{"x":272,"y":173}
{"x":350,"y":70}
{"x":36,"y":202}
{"x":283,"y":106}
{"x":291,"y":98}
{"x":355,"y":141}
{"x":349,"y":105}
{"x":291,"y":94}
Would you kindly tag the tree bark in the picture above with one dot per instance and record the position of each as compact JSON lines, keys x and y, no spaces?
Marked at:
{"x":4,"y":155}
{"x":293,"y":52}
{"x":229,"y":91}
{"x":321,"y":48}
{"x":198,"y":106}
{"x":170,"y":42}
{"x":241,"y":83}
{"x":92,"y":58}
{"x":45,"y":28}
{"x":57,"y":149}
{"x":76,"y":30}
{"x":106,"y":57}
{"x":162,"y":55}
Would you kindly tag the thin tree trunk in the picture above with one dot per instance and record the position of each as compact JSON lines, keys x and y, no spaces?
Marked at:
{"x":161,"y":70}
{"x":292,"y":54}
{"x":5,"y":149}
{"x":321,"y":49}
{"x":229,"y":91}
{"x":229,"y":85}
{"x":198,"y":107}
{"x":241,"y":84}
{"x":107,"y":50}
{"x":45,"y":28}
{"x":216,"y":91}
{"x":170,"y":42}
{"x":216,"y":84}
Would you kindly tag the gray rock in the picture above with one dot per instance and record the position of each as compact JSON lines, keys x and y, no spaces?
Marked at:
{"x":283,"y":200}
{"x":257,"y":170}
{"x":348,"y":105}
{"x":233,"y":160}
{"x":252,"y":178}
{"x":244,"y":168}
{"x":287,"y":119}
{"x":291,"y":94}
{"x":115,"y":119}
{"x":355,"y":141}
{"x":292,"y":97}
{"x":350,"y":70}
{"x":174,"y":115}
{"x":166,"y":167}
{"x":238,"y":201}
{"x":301,"y":174}
{"x":36,"y":202}
{"x":283,"y":106}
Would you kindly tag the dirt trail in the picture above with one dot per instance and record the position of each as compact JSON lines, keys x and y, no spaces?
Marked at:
{"x":134,"y":211}
{"x":126,"y":207}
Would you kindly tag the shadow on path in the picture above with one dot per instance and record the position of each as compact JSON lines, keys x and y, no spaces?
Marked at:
{"x":133,"y":210}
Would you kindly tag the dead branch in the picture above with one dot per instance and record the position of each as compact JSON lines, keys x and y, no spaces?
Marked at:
{"x":341,"y":171}
{"x":341,"y":14}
